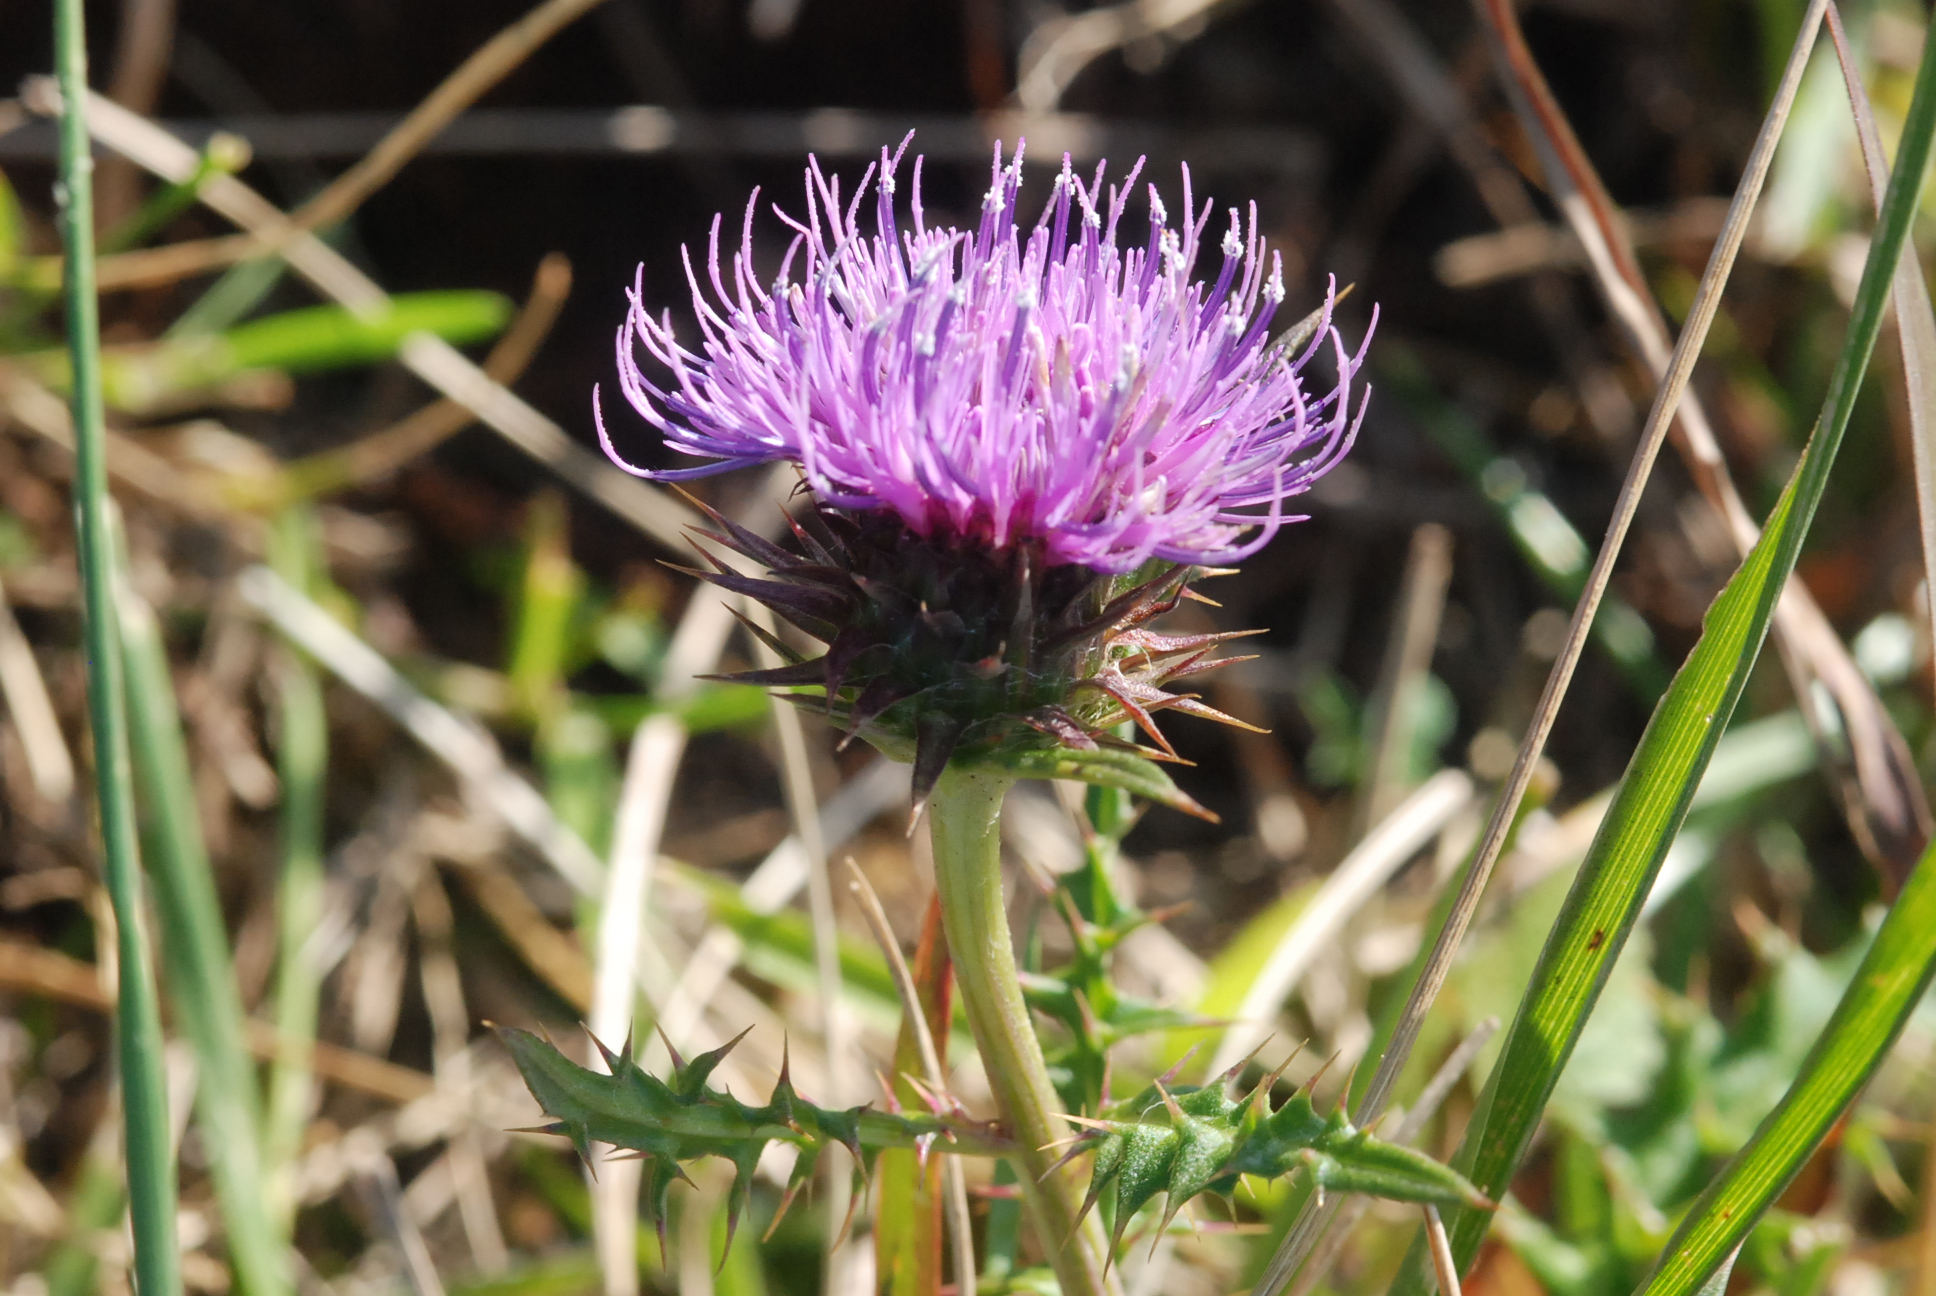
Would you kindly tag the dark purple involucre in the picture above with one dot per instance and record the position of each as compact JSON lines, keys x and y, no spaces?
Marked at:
{"x":1061,"y":390}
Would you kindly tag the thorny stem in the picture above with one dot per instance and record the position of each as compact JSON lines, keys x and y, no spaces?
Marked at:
{"x":965,"y":814}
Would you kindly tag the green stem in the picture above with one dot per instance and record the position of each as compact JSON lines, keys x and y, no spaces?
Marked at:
{"x":302,"y":759}
{"x":151,"y":1171}
{"x":195,"y":954}
{"x":965,"y":814}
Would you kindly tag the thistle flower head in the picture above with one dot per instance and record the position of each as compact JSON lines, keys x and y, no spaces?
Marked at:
{"x":1070,"y":384}
{"x":1023,"y":444}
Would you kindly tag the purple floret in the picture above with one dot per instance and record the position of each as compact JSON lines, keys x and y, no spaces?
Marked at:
{"x":1006,"y":386}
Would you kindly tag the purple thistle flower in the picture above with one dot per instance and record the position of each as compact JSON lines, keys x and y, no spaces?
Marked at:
{"x":1052,"y":388}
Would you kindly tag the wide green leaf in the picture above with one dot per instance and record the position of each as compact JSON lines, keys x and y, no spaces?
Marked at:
{"x":1654,"y":796}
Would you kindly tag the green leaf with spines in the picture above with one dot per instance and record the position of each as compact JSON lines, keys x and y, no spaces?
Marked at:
{"x":1181,"y":1142}
{"x":1195,"y":1139}
{"x":686,"y":1119}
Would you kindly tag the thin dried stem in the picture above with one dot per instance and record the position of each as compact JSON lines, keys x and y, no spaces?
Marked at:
{"x":145,"y":38}
{"x":1440,"y":103}
{"x":1915,"y":323}
{"x":49,"y":763}
{"x":796,"y":781}
{"x":961,"y":1234}
{"x":57,"y":976}
{"x":436,"y":362}
{"x":132,"y":466}
{"x":651,"y":765}
{"x":1401,"y":679}
{"x":489,"y":64}
{"x":796,"y":777}
{"x":1881,"y":792}
{"x":773,"y":885}
{"x":467,"y":750}
{"x":377,"y":1178}
{"x":383,"y":452}
{"x":1333,"y":1224}
{"x":1353,"y":882}
{"x":450,"y":1021}
{"x":1442,"y":1263}
{"x":1057,"y":51}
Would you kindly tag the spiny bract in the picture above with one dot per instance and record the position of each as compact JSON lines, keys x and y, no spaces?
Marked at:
{"x":938,"y":652}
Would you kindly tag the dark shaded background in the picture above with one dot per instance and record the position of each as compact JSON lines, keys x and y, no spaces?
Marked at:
{"x":1665,"y":97}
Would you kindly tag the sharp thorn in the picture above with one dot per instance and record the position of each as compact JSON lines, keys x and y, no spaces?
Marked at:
{"x":1312,"y":1083}
{"x":678,"y":1063}
{"x":1060,"y":1161}
{"x":1238,"y":1068}
{"x":1052,"y":1143}
{"x":1261,"y":1094}
{"x":611,"y":1058}
{"x":1177,"y":1070}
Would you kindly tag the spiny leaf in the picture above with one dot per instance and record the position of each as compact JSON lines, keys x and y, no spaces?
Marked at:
{"x":1196,"y":1139}
{"x":687,"y":1119}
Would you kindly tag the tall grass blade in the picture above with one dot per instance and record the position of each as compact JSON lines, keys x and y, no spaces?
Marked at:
{"x":144,"y":1095}
{"x":200,"y":975}
{"x":1666,"y":401}
{"x":1654,"y":796}
{"x":302,"y":758}
{"x":1465,"y":903}
{"x":1894,"y":975}
{"x":95,"y":1206}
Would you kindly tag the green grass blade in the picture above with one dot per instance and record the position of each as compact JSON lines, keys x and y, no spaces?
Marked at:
{"x":95,"y":1205}
{"x":200,"y":975}
{"x":1893,"y":977}
{"x":1659,"y":786}
{"x":545,"y":623}
{"x":312,"y":339}
{"x":302,"y":760}
{"x":333,"y":337}
{"x":144,"y":1093}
